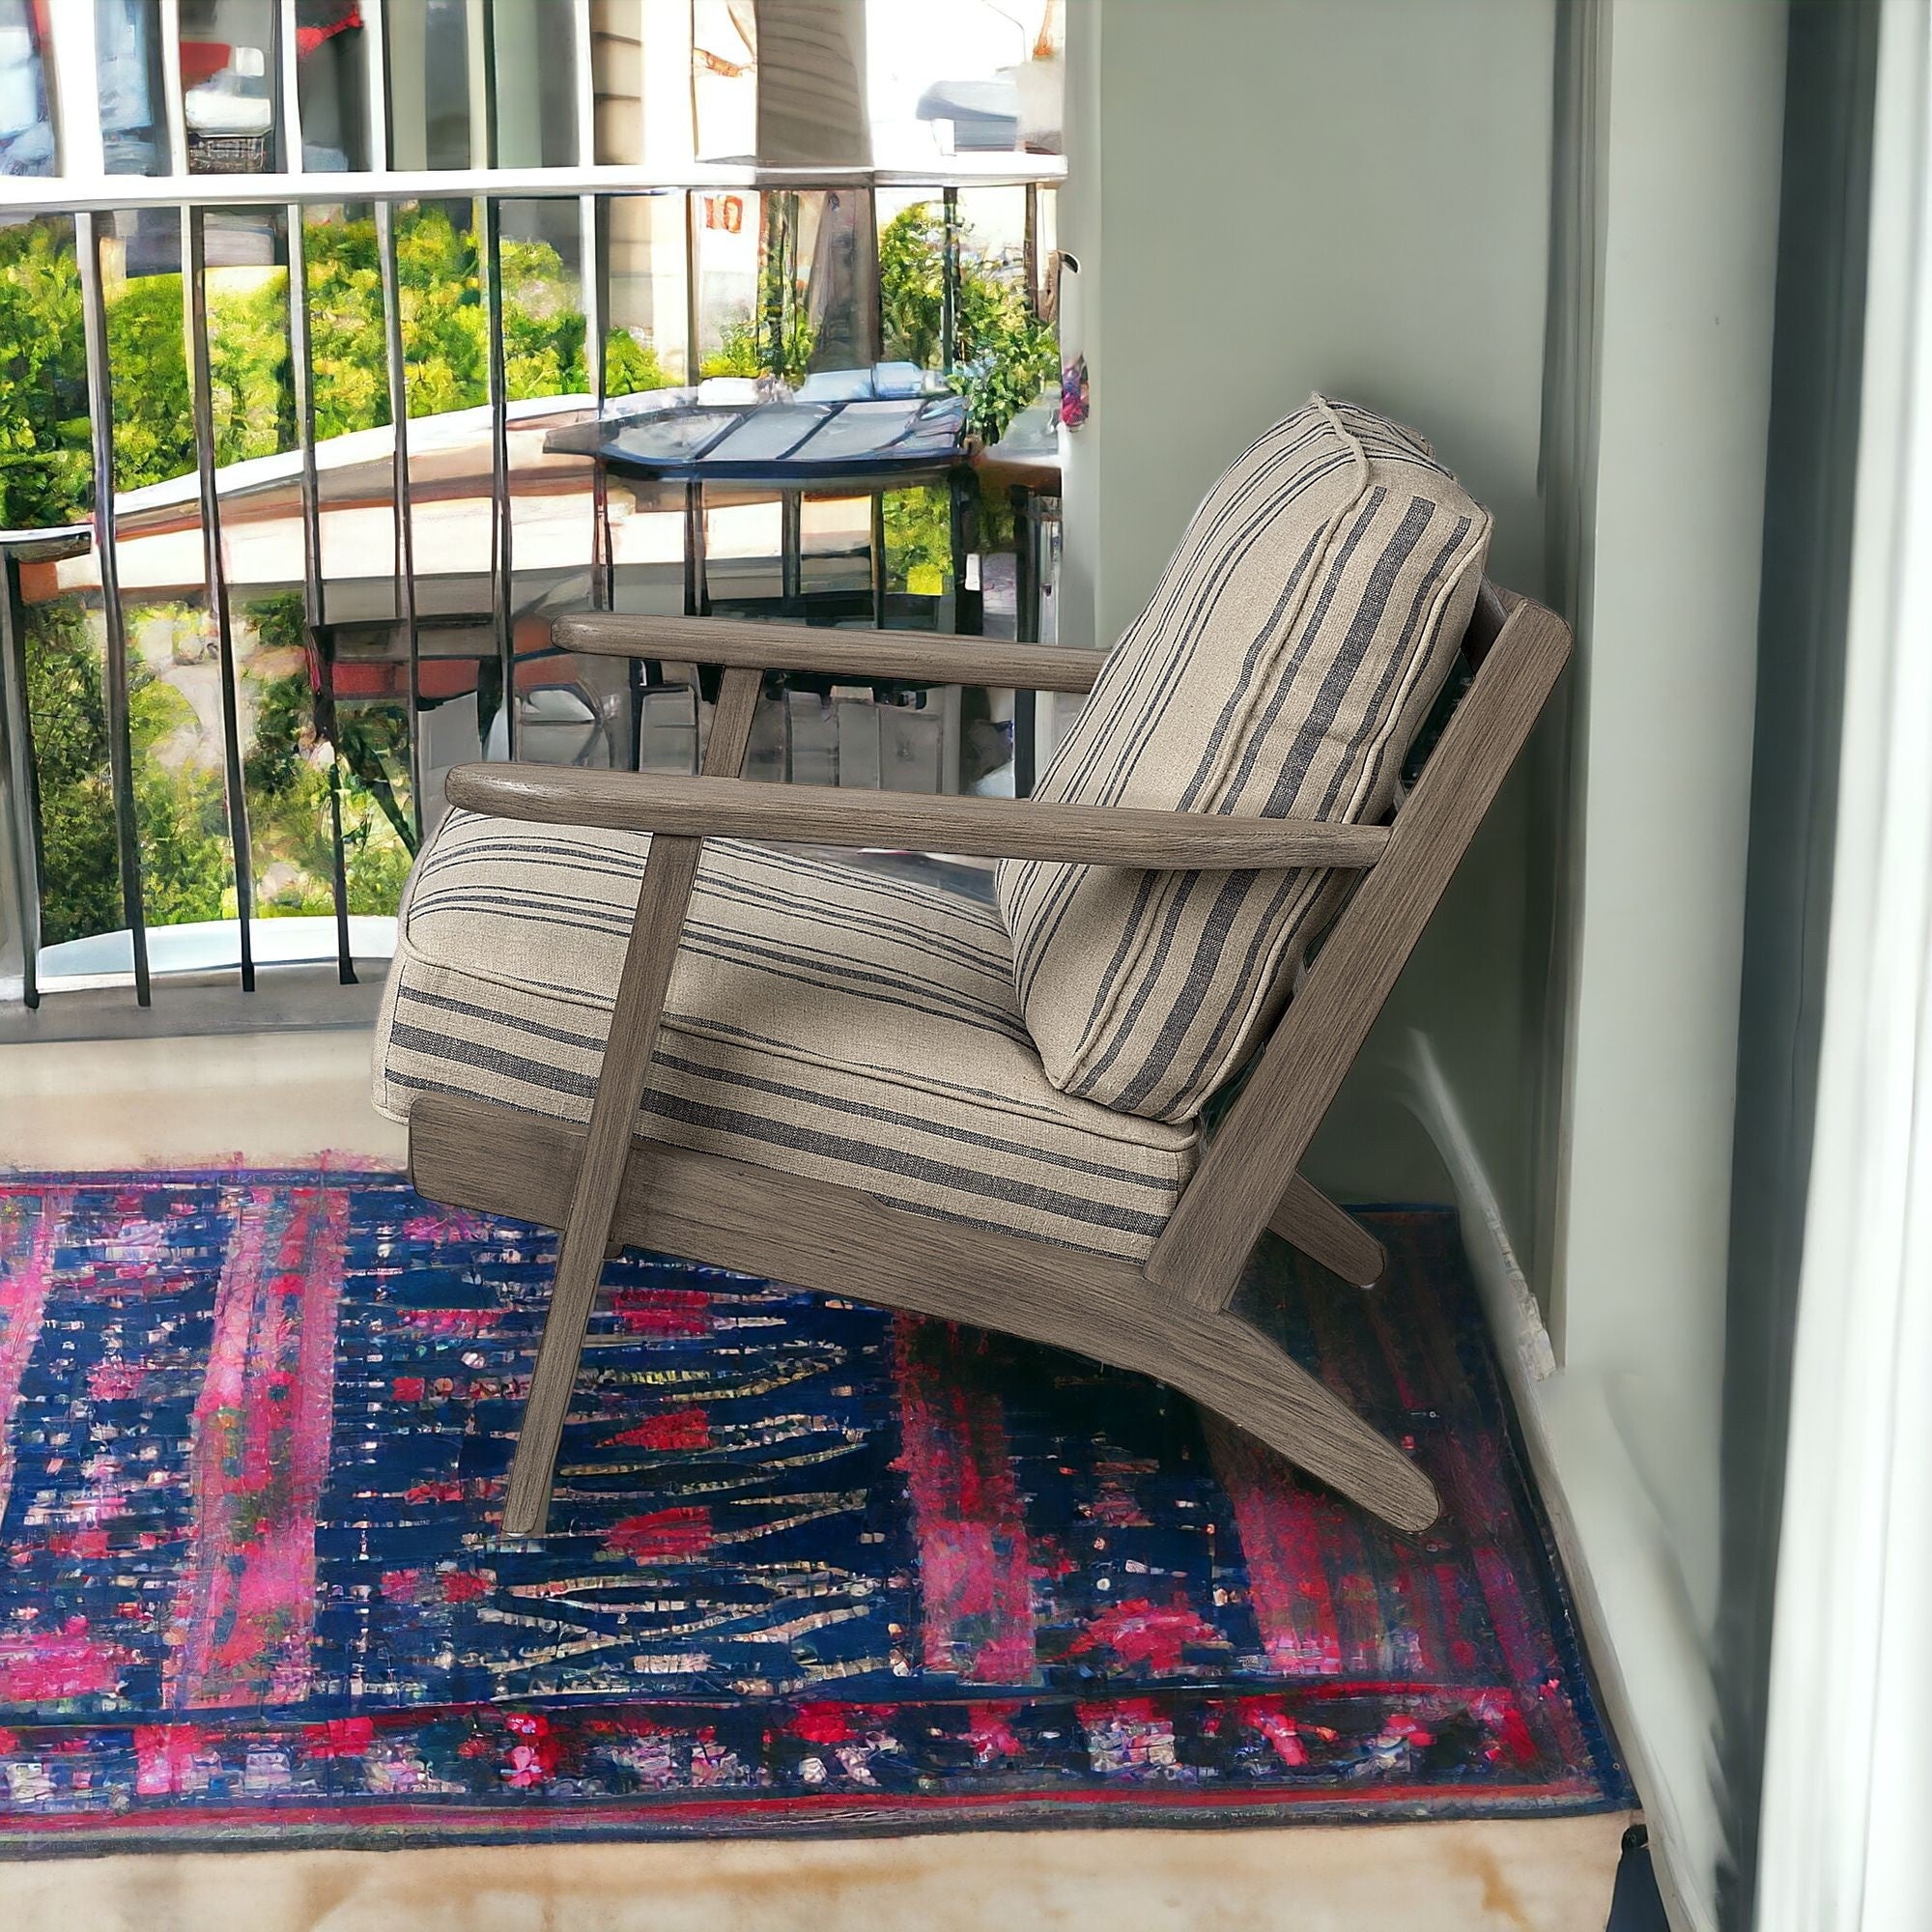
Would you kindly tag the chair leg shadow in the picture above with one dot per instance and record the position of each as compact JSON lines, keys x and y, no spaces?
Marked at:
{"x":1636,"y":1905}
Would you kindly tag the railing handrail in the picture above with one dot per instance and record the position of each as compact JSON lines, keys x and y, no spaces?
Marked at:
{"x":105,"y":193}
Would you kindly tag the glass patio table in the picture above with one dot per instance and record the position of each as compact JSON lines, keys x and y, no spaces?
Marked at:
{"x":832,"y":437}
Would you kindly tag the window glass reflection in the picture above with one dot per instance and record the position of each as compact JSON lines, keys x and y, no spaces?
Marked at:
{"x":26,"y":125}
{"x":970,"y":77}
{"x":128,"y":64}
{"x":227,"y":65}
{"x":331,"y":85}
{"x":437,"y":86}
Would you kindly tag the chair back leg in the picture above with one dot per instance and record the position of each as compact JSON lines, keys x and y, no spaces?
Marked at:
{"x":1305,"y":1218}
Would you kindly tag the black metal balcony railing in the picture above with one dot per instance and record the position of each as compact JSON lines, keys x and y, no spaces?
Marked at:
{"x":425,"y":618}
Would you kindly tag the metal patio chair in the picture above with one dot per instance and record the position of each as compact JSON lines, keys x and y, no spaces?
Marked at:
{"x":611,"y":1016}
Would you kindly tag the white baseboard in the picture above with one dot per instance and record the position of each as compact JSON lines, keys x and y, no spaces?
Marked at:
{"x":1651,"y":1666}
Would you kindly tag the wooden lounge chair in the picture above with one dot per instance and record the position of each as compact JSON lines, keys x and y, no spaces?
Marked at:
{"x":987,"y":1190}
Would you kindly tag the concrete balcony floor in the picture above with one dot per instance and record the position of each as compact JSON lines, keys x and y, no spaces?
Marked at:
{"x":273,"y":1098}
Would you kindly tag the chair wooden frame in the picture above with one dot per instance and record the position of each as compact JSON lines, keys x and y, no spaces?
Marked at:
{"x":1171,"y":1316}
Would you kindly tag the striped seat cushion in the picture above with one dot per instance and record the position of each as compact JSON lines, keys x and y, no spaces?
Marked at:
{"x":1292,"y":650}
{"x":823,"y":1019}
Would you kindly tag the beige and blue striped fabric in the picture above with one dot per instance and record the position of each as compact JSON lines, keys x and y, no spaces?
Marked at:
{"x":823,"y":1019}
{"x":1289,"y":654}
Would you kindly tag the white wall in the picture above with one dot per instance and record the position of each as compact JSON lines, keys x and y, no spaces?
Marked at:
{"x":1356,"y":194}
{"x":1692,"y":185}
{"x":1267,"y":196}
{"x":1693,"y":171}
{"x":1351,"y":194}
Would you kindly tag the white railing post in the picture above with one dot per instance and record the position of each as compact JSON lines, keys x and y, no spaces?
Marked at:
{"x":174,"y":106}
{"x":75,"y":53}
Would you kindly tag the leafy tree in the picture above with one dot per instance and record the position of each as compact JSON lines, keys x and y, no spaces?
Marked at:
{"x":542,"y":325}
{"x":377,"y":861}
{"x":1003,"y":352}
{"x":253,"y":403}
{"x":918,"y":539}
{"x":745,"y":347}
{"x":80,"y":889}
{"x":630,"y":366}
{"x":290,"y":770}
{"x":291,"y":773}
{"x":445,"y":324}
{"x":345,"y":325}
{"x":446,"y":354}
{"x":154,"y":419}
{"x":44,"y":426}
{"x":180,"y":814}
{"x":250,"y":376}
{"x":177,"y":813}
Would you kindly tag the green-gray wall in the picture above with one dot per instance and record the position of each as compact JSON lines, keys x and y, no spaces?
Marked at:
{"x":1353,"y":195}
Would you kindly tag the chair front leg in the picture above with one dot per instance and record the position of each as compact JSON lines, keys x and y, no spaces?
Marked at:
{"x":651,"y":954}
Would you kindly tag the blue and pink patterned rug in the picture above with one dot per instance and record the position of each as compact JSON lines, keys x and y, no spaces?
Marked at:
{"x":818,"y":1568}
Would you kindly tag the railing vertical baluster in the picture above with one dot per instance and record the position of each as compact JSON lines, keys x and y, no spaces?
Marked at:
{"x":697,"y":590}
{"x":948,"y":298}
{"x":22,"y":787}
{"x":594,"y":275}
{"x":696,"y":574}
{"x":379,"y":114}
{"x":301,"y":369}
{"x":691,"y":305}
{"x":288,"y":43}
{"x":314,"y":608}
{"x":1025,"y":506}
{"x":279,"y":159}
{"x":594,"y":249}
{"x":480,"y":82}
{"x":491,"y":223}
{"x":327,"y":722}
{"x":487,"y":219}
{"x":791,"y":551}
{"x":878,"y":280}
{"x":875,"y":502}
{"x":406,"y":549}
{"x":120,"y":749}
{"x":1030,"y":248}
{"x":583,"y":81}
{"x":194,"y":288}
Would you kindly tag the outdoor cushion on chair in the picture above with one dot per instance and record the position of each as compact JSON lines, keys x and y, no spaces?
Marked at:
{"x":1291,"y":652}
{"x":822,"y":1020}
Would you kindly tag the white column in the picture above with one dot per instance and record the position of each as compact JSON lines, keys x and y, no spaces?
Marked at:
{"x":1693,"y":124}
{"x":1844,"y":1842}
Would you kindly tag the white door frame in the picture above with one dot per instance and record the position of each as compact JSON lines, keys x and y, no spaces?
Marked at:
{"x":1845,"y":1844}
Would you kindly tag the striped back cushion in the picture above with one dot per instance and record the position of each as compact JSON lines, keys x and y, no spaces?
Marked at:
{"x":1291,"y":650}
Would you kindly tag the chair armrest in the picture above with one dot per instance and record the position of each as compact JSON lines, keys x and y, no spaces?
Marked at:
{"x":919,"y":655}
{"x":993,"y":828}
